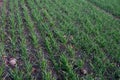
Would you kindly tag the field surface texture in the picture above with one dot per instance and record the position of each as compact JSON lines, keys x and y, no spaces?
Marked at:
{"x":60,"y":40}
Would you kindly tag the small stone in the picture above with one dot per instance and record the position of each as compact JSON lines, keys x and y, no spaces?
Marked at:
{"x":84,"y":71}
{"x":12,"y":61}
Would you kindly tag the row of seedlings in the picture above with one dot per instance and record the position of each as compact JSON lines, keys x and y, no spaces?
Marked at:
{"x":63,"y":38}
{"x":42,"y":64}
{"x":90,"y":30}
{"x":46,"y":73}
{"x":2,"y":37}
{"x":73,"y":29}
{"x":23,"y":69}
{"x":82,"y":38}
{"x":53,"y":47}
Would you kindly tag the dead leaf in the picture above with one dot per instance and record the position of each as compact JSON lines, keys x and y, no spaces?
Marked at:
{"x":34,"y":70}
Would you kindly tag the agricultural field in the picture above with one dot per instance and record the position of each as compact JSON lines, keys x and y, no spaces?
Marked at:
{"x":59,"y":40}
{"x":111,"y":6}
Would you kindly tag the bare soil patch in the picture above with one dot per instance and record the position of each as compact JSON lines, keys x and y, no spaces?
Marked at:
{"x":1,"y":2}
